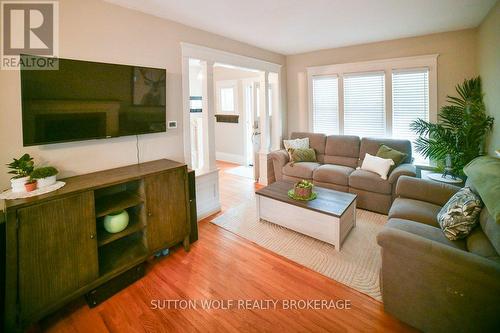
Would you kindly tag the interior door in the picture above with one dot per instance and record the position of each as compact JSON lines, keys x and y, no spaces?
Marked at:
{"x":57,"y":251}
{"x":166,"y":198}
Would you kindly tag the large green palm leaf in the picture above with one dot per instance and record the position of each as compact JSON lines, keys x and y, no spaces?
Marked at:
{"x":461,"y":130}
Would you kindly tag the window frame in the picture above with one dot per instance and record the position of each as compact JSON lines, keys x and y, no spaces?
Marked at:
{"x":226,"y":84}
{"x":387,"y":66}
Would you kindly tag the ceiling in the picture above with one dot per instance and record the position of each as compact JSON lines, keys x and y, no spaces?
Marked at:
{"x":297,"y":26}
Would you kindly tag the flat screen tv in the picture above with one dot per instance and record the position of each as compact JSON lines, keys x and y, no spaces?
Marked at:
{"x":85,"y":100}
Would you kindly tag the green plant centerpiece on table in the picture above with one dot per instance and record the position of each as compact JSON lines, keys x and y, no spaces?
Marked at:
{"x":45,"y":176}
{"x":22,"y":169}
{"x":460,"y":133}
{"x":302,"y":191}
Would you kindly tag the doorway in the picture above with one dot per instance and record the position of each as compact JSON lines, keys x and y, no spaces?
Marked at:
{"x":218,"y":116}
{"x":237,"y":122}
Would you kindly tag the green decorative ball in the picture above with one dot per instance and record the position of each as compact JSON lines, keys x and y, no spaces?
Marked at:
{"x":116,"y":222}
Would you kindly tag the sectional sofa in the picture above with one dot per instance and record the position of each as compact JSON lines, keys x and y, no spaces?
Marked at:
{"x":433,"y":283}
{"x":338,"y":157}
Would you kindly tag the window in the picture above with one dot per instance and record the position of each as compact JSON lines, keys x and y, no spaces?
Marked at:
{"x":374,"y":98}
{"x":227,"y":100}
{"x":364,"y":104}
{"x":410,"y":101}
{"x":325,"y":104}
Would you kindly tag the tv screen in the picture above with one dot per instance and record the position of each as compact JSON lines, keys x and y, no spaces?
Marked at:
{"x":85,"y":100}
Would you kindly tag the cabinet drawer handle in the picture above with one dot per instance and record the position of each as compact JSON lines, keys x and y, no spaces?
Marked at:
{"x":150,"y":214}
{"x":92,"y":236}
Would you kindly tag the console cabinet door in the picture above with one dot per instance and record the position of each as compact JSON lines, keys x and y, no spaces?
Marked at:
{"x":166,"y":198}
{"x":57,"y":252}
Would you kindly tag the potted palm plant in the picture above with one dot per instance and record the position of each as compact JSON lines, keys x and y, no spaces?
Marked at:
{"x":460,"y":133}
{"x":22,"y":169}
{"x":45,"y":176}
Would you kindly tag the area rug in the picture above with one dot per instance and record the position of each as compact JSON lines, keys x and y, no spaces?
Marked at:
{"x":357,"y":265}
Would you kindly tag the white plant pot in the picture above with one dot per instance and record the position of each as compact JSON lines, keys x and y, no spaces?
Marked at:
{"x":17,"y":184}
{"x":47,"y":181}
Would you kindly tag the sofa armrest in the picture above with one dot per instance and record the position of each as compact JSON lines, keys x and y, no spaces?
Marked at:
{"x":435,"y":287}
{"x":425,"y":190}
{"x":405,"y":169}
{"x":280,"y":158}
{"x":462,"y":263}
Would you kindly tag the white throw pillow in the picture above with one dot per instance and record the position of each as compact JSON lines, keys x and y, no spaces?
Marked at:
{"x":377,"y":164}
{"x":296,"y":144}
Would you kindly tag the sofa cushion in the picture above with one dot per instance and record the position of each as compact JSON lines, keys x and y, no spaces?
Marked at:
{"x":426,"y":231}
{"x":380,"y":166}
{"x":300,"y":170}
{"x":369,"y":181}
{"x":460,"y":214}
{"x":295,"y":144}
{"x":342,"y":150}
{"x":415,"y":210}
{"x":478,"y":243}
{"x":372,"y":145}
{"x":317,"y":142}
{"x":334,"y":174}
{"x":302,"y":155}
{"x":393,"y":154}
{"x":490,"y":228}
{"x":484,"y":174}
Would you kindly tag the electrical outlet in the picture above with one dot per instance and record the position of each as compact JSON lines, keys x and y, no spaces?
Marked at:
{"x":172,"y":124}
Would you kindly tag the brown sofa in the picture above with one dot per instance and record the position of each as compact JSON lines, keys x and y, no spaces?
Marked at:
{"x":430,"y":282}
{"x":338,"y":156}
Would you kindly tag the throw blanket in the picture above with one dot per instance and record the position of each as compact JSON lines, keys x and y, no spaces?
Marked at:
{"x":484,"y":173}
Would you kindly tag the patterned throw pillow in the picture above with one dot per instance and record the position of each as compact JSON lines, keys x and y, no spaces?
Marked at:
{"x":295,"y":144}
{"x":460,"y":214}
{"x":302,"y":155}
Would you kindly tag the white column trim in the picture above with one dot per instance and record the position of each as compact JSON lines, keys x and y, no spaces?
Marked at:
{"x":209,"y":54}
{"x":209,"y":97}
{"x":186,"y":114}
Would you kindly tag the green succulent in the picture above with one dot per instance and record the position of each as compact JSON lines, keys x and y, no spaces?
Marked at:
{"x":304,"y":184}
{"x":43,"y":172}
{"x":21,"y":167}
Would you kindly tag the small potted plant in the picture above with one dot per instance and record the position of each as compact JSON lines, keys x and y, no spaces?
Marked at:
{"x":22,"y":169}
{"x":30,"y":186}
{"x":303,"y":189}
{"x":45,"y":176}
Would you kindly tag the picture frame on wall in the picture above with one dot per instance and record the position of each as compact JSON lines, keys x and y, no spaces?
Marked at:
{"x":148,"y":86}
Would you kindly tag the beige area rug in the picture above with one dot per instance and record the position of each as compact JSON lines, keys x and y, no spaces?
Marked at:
{"x":357,"y":265}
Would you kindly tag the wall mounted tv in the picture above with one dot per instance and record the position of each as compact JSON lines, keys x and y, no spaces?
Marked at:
{"x":85,"y":100}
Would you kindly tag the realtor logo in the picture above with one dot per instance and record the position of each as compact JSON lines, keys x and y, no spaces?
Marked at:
{"x":31,"y":28}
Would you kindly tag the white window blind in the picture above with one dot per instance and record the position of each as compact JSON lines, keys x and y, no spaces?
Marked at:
{"x":410,"y":101}
{"x":364,"y":104}
{"x":325,"y":102}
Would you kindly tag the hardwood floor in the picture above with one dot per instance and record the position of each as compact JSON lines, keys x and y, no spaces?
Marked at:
{"x":223,"y":266}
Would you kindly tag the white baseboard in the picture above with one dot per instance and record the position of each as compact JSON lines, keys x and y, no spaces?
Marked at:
{"x":232,"y":158}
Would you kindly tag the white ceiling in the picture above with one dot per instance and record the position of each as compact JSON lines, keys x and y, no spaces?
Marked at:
{"x":296,"y":26}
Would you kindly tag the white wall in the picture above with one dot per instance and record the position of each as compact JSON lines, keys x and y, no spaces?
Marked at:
{"x":230,"y":137}
{"x":489,"y":69}
{"x":99,"y":31}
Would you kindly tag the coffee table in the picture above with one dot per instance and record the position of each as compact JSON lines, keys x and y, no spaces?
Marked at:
{"x":328,"y":218}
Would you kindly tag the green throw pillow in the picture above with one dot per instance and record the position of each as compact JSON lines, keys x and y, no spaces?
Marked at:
{"x":302,"y":155}
{"x":393,"y":154}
